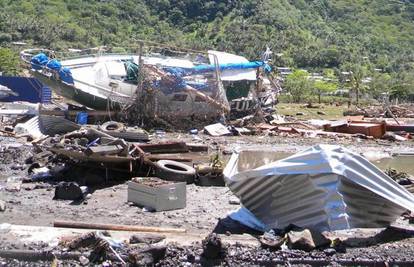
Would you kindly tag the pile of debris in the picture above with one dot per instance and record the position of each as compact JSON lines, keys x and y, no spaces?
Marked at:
{"x":394,"y":111}
{"x":351,"y":127}
{"x":65,"y":149}
{"x":402,"y":178}
{"x":293,"y":245}
{"x":402,"y":111}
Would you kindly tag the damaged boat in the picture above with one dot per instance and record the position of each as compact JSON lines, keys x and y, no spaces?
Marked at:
{"x":160,"y":85}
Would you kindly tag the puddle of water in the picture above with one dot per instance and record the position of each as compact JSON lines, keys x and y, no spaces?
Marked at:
{"x":254,"y":159}
{"x":400,"y":163}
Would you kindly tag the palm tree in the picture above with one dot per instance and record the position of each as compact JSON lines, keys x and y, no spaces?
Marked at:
{"x":357,"y":74}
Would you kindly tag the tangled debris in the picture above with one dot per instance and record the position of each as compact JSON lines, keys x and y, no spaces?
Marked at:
{"x":400,"y":177}
{"x":213,"y":247}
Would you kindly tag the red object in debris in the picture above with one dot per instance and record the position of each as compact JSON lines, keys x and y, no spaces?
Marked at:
{"x":377,"y":130}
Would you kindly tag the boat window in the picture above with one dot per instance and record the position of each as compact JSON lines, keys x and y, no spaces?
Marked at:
{"x":199,"y":99}
{"x":179,"y":97}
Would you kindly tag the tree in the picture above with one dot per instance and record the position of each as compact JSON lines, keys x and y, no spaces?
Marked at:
{"x":403,"y":85}
{"x":380,"y":83}
{"x":298,"y":85}
{"x":9,"y":62}
{"x":321,"y":87}
{"x":357,"y":73}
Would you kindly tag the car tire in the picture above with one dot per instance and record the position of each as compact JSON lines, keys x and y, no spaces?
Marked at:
{"x":171,"y":170}
{"x":112,"y":126}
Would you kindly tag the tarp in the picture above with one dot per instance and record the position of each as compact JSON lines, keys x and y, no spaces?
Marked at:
{"x":325,"y":187}
{"x":38,"y":61}
{"x":231,"y":74}
{"x":41,"y":60}
{"x":66,"y":75}
{"x":54,"y":64}
{"x":132,"y":71}
{"x":229,"y":66}
{"x":232,"y":67}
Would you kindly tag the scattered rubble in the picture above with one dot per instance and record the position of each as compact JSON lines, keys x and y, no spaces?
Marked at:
{"x":213,"y":247}
{"x":399,"y":111}
{"x":145,"y":238}
{"x":147,"y":256}
{"x":271,"y":240}
{"x":183,"y":179}
{"x":70,"y":191}
{"x":301,"y":240}
{"x":2,"y":205}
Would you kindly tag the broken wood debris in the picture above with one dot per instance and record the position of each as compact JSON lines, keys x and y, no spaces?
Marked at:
{"x":165,"y":147}
{"x":116,"y":227}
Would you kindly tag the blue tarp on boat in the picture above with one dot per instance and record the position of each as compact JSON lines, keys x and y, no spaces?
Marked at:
{"x":40,"y":61}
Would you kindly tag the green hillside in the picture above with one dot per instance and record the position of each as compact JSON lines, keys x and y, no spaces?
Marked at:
{"x":309,"y":33}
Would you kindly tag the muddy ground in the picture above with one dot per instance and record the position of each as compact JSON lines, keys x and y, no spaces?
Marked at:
{"x":33,"y":204}
{"x":108,"y":203}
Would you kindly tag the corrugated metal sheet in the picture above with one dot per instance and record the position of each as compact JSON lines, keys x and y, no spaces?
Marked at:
{"x":324,"y":187}
{"x":30,"y":127}
{"x":52,"y":125}
{"x":40,"y":126}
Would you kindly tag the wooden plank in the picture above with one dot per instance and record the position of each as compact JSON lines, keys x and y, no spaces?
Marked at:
{"x":169,"y":157}
{"x":197,"y":147}
{"x":116,"y":227}
{"x":167,"y":147}
{"x":103,"y":150}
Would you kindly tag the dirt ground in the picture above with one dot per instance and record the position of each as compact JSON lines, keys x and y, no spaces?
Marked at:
{"x":108,"y":203}
{"x":33,"y":204}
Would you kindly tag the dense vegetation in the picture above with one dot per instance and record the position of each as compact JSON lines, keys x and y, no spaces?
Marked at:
{"x":312,"y":34}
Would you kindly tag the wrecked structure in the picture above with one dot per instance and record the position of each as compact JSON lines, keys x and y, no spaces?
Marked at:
{"x":155,"y":84}
{"x":117,"y":194}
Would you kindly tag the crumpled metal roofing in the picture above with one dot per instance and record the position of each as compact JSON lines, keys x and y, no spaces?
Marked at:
{"x":324,"y":187}
{"x":42,"y":125}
